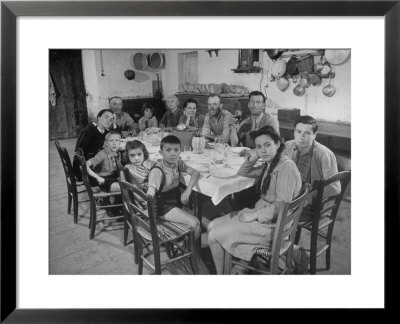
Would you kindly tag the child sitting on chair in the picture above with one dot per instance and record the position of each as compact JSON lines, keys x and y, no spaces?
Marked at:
{"x":104,"y":164}
{"x":139,"y":164}
{"x":164,"y":181}
{"x":148,"y":120}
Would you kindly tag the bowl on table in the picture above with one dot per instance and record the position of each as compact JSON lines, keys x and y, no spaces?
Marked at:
{"x":222,"y":172}
{"x":237,"y":150}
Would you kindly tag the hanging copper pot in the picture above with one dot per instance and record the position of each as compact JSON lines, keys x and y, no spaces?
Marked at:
{"x":305,"y":81}
{"x":299,"y":90}
{"x":274,"y":54}
{"x":329,"y":90}
{"x":291,"y":66}
{"x":315,"y":79}
{"x":129,"y":74}
{"x":282,"y":84}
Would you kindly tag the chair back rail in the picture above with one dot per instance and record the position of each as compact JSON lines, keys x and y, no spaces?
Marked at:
{"x":331,"y":203}
{"x":285,"y":230}
{"x":323,"y":214}
{"x":146,"y":226}
{"x":85,"y":176}
{"x":67,"y":166}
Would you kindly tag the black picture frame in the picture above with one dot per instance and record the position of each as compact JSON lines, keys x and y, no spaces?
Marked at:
{"x":9,"y":13}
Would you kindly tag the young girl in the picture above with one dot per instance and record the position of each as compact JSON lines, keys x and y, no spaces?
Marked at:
{"x":148,"y":120}
{"x":139,"y":164}
{"x":279,"y":180}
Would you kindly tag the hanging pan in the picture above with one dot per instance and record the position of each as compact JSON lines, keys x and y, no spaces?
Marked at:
{"x":337,"y":57}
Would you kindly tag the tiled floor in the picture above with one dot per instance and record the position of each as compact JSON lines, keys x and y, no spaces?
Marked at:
{"x":71,"y":251}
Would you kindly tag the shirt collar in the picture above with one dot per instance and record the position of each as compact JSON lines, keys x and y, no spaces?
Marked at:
{"x":310,"y":151}
{"x":218,"y":114}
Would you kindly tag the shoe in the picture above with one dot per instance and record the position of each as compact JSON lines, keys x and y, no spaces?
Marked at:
{"x":301,"y":261}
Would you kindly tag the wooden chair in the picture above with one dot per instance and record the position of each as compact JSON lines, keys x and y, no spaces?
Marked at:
{"x":95,"y":194}
{"x":149,"y":230}
{"x":74,"y":186}
{"x":282,"y":244}
{"x":127,"y":176}
{"x":320,"y":218}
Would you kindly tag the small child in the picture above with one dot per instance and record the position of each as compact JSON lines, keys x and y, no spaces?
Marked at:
{"x":164,"y":181}
{"x":139,"y":164}
{"x":148,"y":120}
{"x":105,"y":163}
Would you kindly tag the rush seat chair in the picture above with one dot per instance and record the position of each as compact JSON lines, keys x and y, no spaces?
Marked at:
{"x":74,"y":186}
{"x":320,"y":218}
{"x":150,"y":231}
{"x":282,"y":243}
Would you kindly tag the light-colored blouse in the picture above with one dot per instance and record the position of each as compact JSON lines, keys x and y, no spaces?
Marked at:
{"x":284,"y":186}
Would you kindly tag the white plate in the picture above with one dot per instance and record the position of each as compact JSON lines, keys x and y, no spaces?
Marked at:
{"x":223,"y":173}
{"x":201,"y":167}
{"x":238,"y":149}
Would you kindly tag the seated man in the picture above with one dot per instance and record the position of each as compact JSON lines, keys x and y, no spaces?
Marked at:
{"x":217,"y":121}
{"x":173,"y":114}
{"x":258,"y":119}
{"x":314,"y":160}
{"x":123,"y":122}
{"x":91,"y":139}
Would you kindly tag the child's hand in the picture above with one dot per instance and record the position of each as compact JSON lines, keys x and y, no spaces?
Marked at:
{"x":100,"y":180}
{"x":185,"y":197}
{"x":246,"y":215}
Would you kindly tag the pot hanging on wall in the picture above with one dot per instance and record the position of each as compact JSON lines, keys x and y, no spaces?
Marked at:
{"x":157,"y":60}
{"x":129,"y":74}
{"x":329,"y":90}
{"x":139,"y":61}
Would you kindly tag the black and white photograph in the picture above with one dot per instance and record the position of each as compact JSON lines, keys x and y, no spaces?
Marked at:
{"x":229,"y":161}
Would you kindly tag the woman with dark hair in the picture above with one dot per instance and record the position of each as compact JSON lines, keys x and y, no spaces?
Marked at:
{"x":189,"y":117}
{"x":241,"y":233}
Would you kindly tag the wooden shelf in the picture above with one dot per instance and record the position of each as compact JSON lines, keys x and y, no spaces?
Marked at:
{"x":253,"y":69}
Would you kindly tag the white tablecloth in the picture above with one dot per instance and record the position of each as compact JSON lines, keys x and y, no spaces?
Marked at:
{"x":216,"y":188}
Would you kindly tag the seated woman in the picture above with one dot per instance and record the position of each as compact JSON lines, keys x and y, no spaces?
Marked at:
{"x":148,"y":119}
{"x":240,"y":233}
{"x":189,"y":117}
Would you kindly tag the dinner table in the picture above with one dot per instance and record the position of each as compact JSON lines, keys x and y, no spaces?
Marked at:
{"x":217,"y":181}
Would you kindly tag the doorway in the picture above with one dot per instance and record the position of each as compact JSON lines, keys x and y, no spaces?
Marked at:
{"x":68,"y":112}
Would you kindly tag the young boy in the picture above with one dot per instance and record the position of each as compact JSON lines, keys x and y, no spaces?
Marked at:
{"x":164,"y":181}
{"x":105,"y":163}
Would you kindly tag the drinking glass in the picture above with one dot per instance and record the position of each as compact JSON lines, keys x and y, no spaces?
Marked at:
{"x":187,"y":151}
